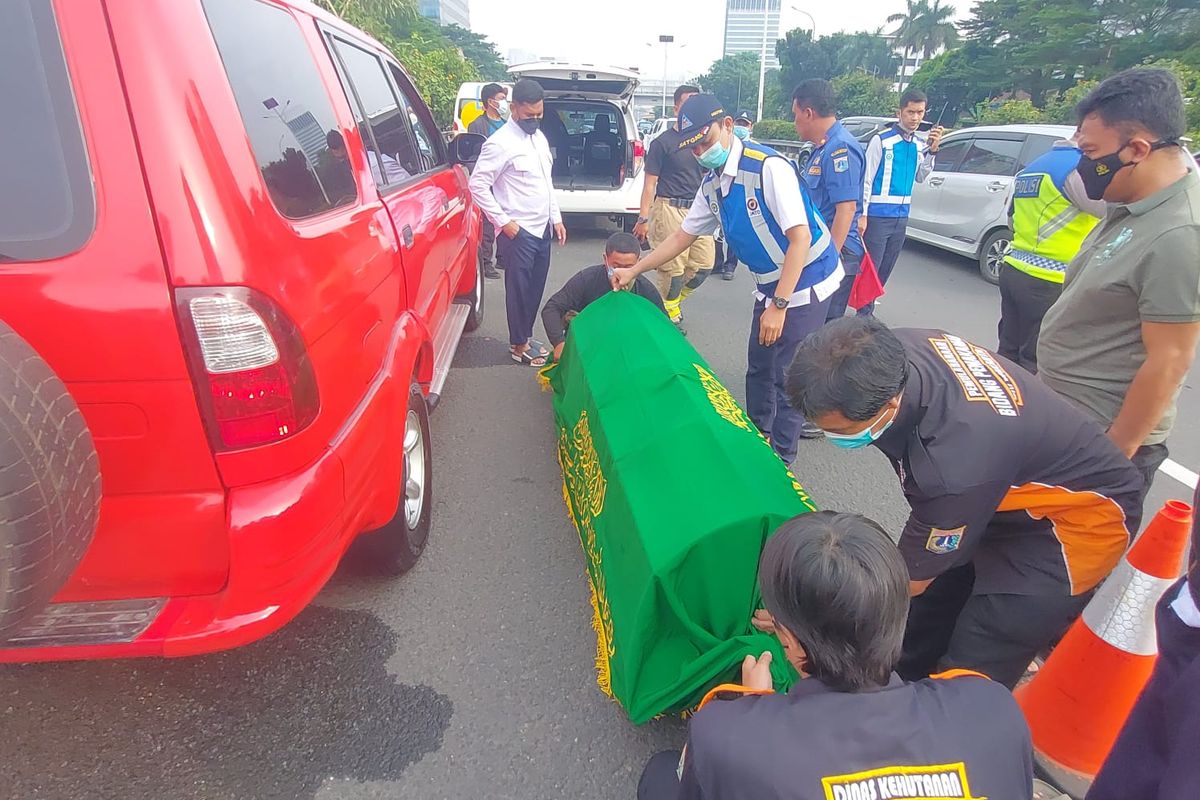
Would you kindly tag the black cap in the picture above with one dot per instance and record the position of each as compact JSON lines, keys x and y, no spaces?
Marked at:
{"x":700,"y":111}
{"x":744,"y":115}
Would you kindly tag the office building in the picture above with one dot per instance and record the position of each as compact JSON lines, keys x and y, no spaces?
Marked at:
{"x":446,"y":12}
{"x":744,"y":27}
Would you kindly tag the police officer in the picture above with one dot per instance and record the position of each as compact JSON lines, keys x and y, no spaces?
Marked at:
{"x":757,"y":199}
{"x":834,"y":174}
{"x":1051,"y":216}
{"x":1021,"y":504}
{"x":837,"y":591}
{"x":726,"y":263}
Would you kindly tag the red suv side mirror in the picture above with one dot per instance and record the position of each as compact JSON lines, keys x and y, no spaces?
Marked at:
{"x":465,"y":148}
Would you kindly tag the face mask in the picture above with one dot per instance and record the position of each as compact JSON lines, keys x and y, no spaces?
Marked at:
{"x":854,"y":441}
{"x":530,"y":125}
{"x":741,"y":132}
{"x":1098,"y":173}
{"x":715,"y":156}
{"x":502,"y":109}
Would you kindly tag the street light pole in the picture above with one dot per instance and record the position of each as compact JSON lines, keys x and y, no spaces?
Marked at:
{"x":762,"y":60}
{"x":666,"y":43}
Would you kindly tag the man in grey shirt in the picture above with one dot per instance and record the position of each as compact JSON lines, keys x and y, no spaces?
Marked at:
{"x":1122,"y":337}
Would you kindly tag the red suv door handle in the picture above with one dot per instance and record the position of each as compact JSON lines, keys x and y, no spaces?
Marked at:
{"x":407,"y":234}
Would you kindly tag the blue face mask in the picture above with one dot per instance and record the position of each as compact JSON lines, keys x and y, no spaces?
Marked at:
{"x":714,"y":157}
{"x":854,"y":441}
{"x":741,"y":132}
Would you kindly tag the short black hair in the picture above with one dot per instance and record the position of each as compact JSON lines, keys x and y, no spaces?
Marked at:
{"x":837,"y":583}
{"x":625,"y":243}
{"x":491,"y":90}
{"x":1145,"y":97}
{"x":334,"y":140}
{"x":686,"y":88}
{"x":853,"y":365}
{"x":818,"y":95}
{"x":527,"y":91}
{"x":911,"y":96}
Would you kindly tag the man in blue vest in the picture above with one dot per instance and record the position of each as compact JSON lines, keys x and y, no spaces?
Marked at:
{"x":897,"y":158}
{"x":756,"y":197}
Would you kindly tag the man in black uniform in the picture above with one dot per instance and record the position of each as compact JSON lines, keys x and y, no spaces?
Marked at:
{"x":671,"y":182}
{"x":1020,"y":503}
{"x":837,"y":593}
{"x":590,"y":284}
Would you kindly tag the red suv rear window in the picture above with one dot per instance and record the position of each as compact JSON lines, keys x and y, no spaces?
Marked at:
{"x":47,"y":208}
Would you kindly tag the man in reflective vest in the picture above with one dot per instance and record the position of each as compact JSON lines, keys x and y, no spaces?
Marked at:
{"x":756,"y":197}
{"x":1051,"y":216}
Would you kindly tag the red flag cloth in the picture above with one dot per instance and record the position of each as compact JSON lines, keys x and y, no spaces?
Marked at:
{"x":867,"y":287}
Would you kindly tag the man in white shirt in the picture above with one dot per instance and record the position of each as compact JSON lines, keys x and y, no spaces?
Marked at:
{"x":513,"y":186}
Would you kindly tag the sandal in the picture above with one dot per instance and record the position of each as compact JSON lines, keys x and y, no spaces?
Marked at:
{"x":538,"y":349}
{"x":528,"y":358}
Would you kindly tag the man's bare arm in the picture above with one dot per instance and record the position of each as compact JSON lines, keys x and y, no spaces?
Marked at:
{"x":1170,"y":351}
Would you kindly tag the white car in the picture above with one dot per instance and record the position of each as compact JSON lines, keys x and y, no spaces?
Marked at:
{"x":963,"y":205}
{"x":660,"y":125}
{"x":593,"y":134}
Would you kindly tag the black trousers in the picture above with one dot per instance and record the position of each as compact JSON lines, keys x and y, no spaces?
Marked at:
{"x":1024,"y":301}
{"x":487,"y":244}
{"x":526,"y":263}
{"x":726,"y":261}
{"x":950,"y":627}
{"x":1148,"y":458}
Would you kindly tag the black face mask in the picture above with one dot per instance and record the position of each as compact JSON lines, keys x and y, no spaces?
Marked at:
{"x":530,"y":124}
{"x":1098,"y":173}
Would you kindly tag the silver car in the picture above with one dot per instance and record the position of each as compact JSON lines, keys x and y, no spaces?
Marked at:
{"x":963,"y":205}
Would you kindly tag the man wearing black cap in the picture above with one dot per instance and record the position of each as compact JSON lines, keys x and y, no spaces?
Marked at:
{"x":755,"y":196}
{"x":672,"y":178}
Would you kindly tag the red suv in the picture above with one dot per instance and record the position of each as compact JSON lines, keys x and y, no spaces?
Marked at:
{"x":236,"y":258}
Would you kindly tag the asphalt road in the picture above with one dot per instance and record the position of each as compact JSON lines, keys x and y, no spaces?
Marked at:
{"x":470,"y":677}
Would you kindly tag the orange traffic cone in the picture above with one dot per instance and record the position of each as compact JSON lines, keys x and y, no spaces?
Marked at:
{"x":1079,"y":699}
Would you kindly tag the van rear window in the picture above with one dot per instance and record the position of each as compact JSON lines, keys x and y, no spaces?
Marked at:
{"x":47,"y":208}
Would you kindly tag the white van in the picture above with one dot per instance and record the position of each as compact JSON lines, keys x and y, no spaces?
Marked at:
{"x":593,"y":134}
{"x":468,"y":106}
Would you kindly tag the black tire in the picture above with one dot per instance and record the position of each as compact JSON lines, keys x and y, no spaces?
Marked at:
{"x":991,"y":254}
{"x":49,"y":482}
{"x":394,"y":548}
{"x":475,"y":301}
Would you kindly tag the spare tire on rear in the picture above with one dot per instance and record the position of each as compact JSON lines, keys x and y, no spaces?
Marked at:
{"x":49,"y":482}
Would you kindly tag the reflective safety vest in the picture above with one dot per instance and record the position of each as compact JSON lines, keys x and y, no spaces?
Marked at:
{"x":1047,"y":229}
{"x":752,"y":231}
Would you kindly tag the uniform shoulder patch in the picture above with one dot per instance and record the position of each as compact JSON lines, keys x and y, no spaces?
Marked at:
{"x":941,"y":542}
{"x":841,"y":151}
{"x":841,"y":163}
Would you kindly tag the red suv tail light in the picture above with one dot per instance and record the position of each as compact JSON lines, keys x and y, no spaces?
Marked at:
{"x":253,"y":379}
{"x":639,"y":149}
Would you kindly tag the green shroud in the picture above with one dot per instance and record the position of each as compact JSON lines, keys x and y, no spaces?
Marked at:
{"x":674,"y":492}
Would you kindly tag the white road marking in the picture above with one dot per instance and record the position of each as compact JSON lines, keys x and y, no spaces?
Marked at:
{"x":1180,"y":473}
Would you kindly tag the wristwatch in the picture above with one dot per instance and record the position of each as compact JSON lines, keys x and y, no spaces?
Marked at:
{"x":781,"y":303}
{"x":642,"y":220}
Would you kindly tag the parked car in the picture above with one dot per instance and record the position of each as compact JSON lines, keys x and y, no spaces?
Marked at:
{"x":864,"y":128}
{"x":963,"y":205}
{"x":644,"y":126}
{"x":235,"y":262}
{"x":656,"y":129}
{"x":593,"y":135}
{"x":468,"y":105}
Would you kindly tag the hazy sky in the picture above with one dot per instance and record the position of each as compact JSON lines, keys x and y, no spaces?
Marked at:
{"x":605,"y":32}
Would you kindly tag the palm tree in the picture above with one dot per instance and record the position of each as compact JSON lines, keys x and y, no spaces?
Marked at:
{"x":924,"y":28}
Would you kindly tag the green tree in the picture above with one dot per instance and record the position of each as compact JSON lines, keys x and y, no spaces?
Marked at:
{"x":924,"y":28}
{"x":1189,"y":84}
{"x":870,"y":53}
{"x":800,"y":57}
{"x":1009,"y":112}
{"x":860,"y":94}
{"x":958,"y":80}
{"x":479,"y":51}
{"x":734,"y":79}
